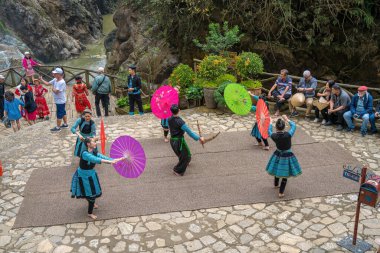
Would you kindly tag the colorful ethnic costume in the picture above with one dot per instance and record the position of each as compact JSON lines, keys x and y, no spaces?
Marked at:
{"x":87,"y":129}
{"x":135,"y":95}
{"x":283,"y":163}
{"x":80,"y":93}
{"x":255,"y":130}
{"x":42,"y":107}
{"x":177,"y":129}
{"x":85,"y":181}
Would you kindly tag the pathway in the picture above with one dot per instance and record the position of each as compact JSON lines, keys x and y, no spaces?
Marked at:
{"x":302,"y":225}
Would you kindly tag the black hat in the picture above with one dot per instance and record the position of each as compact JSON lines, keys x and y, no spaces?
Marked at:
{"x":174,"y":109}
{"x":23,"y":87}
{"x":132,"y":66}
{"x":78,"y":78}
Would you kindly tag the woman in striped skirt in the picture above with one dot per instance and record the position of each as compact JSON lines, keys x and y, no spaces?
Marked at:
{"x":85,"y":181}
{"x":283,"y":163}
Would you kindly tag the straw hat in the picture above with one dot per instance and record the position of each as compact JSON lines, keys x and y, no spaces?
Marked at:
{"x":321,"y":104}
{"x":298,"y":99}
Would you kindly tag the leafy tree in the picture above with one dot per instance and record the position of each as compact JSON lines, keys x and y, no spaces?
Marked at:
{"x":220,"y":39}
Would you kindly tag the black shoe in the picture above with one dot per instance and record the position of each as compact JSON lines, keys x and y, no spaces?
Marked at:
{"x":372,"y":132}
{"x":55,"y":129}
{"x":349,"y":129}
{"x":294,"y":114}
{"x":65,"y":126}
{"x":339,"y":128}
{"x":363,"y":134}
{"x":328,"y":123}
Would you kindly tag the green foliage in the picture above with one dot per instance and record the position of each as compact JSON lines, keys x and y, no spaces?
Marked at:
{"x":194,"y":93}
{"x":182,"y":76}
{"x":122,"y":102}
{"x":252,"y":84}
{"x":207,"y":84}
{"x":146,"y":108}
{"x":226,"y":78}
{"x":219,"y":94}
{"x":3,"y":28}
{"x":212,"y":67}
{"x":219,"y":40}
{"x":249,"y":65}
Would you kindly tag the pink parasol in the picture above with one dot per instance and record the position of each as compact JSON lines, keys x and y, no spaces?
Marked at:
{"x":263,"y":118}
{"x":162,"y":100}
{"x":134,"y":165}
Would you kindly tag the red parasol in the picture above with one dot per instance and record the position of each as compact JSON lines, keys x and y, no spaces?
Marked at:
{"x":102,"y":136}
{"x":262,"y":118}
{"x":162,"y":100}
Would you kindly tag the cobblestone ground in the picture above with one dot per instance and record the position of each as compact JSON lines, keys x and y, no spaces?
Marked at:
{"x":302,"y":225}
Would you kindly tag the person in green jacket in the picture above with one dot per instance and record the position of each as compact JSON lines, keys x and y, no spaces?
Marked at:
{"x":101,"y":88}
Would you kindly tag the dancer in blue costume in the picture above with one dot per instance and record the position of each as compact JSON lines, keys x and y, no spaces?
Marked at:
{"x":255,"y":130}
{"x":283,"y":163}
{"x":87,"y":128}
{"x":85,"y":182}
{"x":165,"y":126}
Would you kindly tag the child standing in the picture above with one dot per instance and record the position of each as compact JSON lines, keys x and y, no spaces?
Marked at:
{"x":283,"y":163}
{"x":30,"y":105}
{"x":12,"y":110}
{"x":39,"y":93}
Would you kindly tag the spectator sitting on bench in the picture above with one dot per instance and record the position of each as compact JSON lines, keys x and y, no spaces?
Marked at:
{"x":307,"y":86}
{"x":339,"y":104}
{"x":281,"y":91}
{"x":325,"y":95}
{"x":361,"y":108}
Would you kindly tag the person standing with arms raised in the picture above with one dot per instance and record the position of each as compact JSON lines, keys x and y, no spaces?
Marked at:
{"x":59,"y":95}
{"x":134,"y":91}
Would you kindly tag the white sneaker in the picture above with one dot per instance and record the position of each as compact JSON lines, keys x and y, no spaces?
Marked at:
{"x":323,"y":122}
{"x":316,"y":120}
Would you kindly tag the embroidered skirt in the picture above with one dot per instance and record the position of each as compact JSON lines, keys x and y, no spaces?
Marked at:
{"x":85,"y":183}
{"x":283,"y":164}
{"x":255,"y":131}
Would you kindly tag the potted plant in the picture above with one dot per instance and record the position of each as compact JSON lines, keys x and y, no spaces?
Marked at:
{"x":210,"y":69}
{"x":182,"y":77}
{"x":253,"y":86}
{"x":249,"y":65}
{"x":219,"y":97}
{"x":194,"y":95}
{"x":121,"y":104}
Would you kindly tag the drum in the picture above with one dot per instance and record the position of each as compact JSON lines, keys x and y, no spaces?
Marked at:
{"x":321,"y":104}
{"x":298,"y":99}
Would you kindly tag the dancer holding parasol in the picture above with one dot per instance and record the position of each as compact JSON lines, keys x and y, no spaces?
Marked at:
{"x":178,"y":128}
{"x":86,"y":127}
{"x":283,"y":163}
{"x":262,"y":121}
{"x":85,"y":182}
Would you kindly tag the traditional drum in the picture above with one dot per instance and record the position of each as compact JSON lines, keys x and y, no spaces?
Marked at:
{"x":298,"y":99}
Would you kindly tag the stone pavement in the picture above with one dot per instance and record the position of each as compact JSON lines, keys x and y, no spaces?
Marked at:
{"x":70,"y":109}
{"x":302,"y":225}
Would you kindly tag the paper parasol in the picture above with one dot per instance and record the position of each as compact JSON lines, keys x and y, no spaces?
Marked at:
{"x":134,"y":165}
{"x":262,"y":118}
{"x":237,"y":99}
{"x":162,"y":100}
{"x":102,"y":136}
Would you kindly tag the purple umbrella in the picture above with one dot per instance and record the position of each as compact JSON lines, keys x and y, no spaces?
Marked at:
{"x":134,"y":165}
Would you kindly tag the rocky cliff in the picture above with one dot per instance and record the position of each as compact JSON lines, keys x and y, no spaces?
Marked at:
{"x":53,"y":29}
{"x":134,"y":42}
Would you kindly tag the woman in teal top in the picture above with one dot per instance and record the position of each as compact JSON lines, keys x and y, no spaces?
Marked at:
{"x":86,"y":127}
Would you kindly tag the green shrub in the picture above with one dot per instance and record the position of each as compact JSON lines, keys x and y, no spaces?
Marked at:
{"x":212,"y":67}
{"x":226,"y":78}
{"x":252,"y":84}
{"x":194,"y":93}
{"x":182,"y":76}
{"x":146,"y":108}
{"x":249,"y":65}
{"x":122,"y":102}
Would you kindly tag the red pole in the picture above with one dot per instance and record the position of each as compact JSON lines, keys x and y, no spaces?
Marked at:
{"x":362,"y":180}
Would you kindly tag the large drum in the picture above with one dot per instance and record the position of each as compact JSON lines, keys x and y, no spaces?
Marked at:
{"x":321,"y":103}
{"x":298,"y":99}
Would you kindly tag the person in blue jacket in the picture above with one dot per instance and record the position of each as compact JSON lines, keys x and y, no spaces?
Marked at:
{"x":134,"y":91}
{"x":361,"y":108}
{"x":85,"y":182}
{"x":86,"y":127}
{"x":177,"y":128}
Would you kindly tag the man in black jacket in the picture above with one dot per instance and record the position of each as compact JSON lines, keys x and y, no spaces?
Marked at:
{"x":2,"y":92}
{"x":134,"y":91}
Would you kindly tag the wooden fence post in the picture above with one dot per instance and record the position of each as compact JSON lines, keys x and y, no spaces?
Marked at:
{"x":87,"y":76}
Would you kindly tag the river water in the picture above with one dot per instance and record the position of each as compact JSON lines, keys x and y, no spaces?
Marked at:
{"x":94,"y":55}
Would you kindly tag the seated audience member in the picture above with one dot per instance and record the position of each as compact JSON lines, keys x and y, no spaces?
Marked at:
{"x":281,"y":91}
{"x":324,"y":97}
{"x":339,"y":104}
